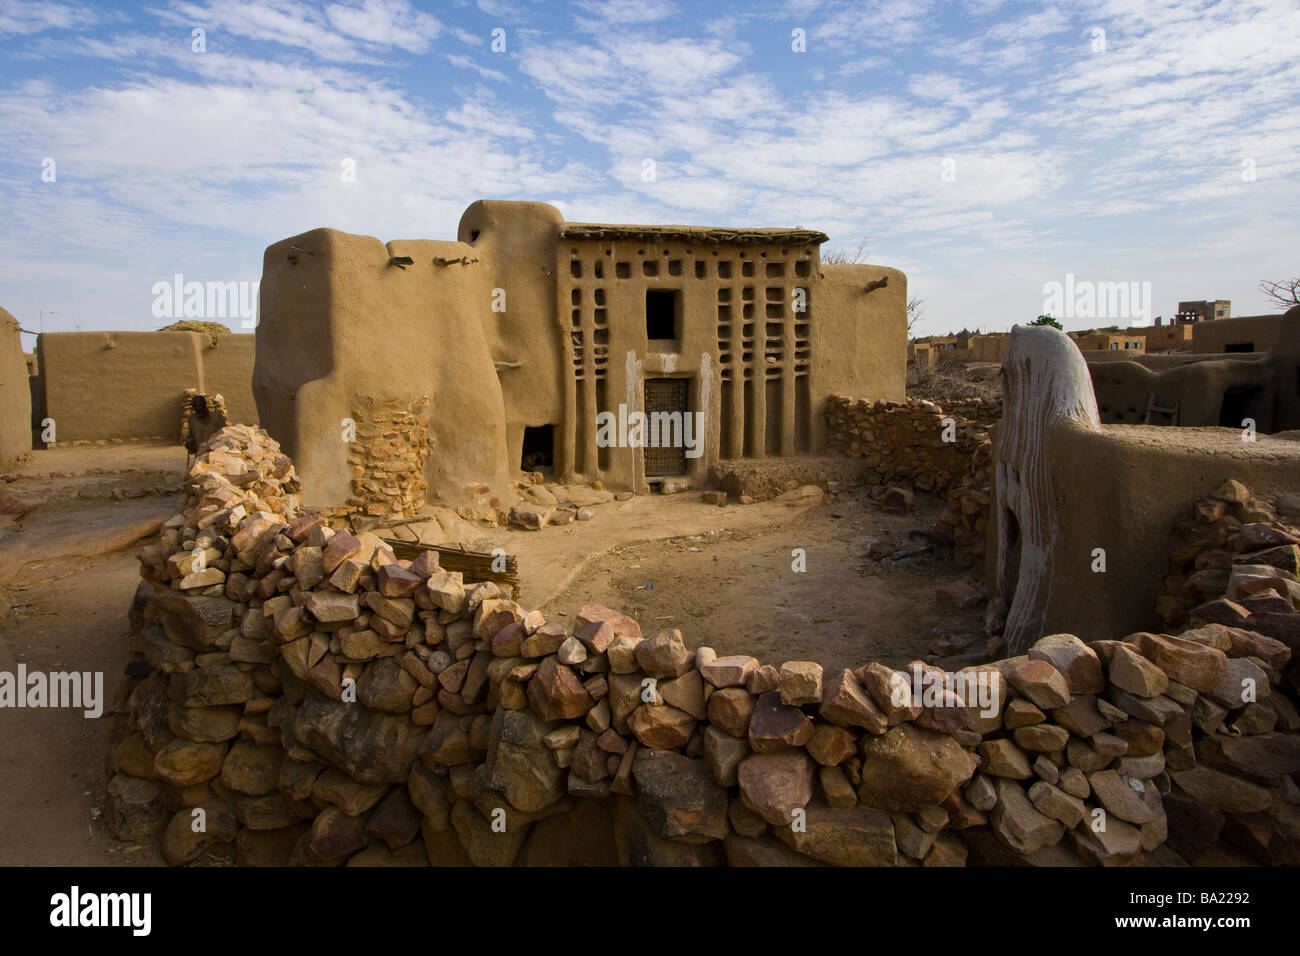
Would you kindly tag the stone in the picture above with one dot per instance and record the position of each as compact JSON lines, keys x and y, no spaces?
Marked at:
{"x":800,"y":683}
{"x":329,"y":607}
{"x":340,"y":548}
{"x":910,"y":768}
{"x":1021,"y":713}
{"x":1268,"y":756}
{"x":1118,"y":798}
{"x":183,"y":763}
{"x":572,"y":651}
{"x":763,"y":851}
{"x":555,"y":693}
{"x":639,"y":845}
{"x":661,"y":726}
{"x":686,"y":693}
{"x":846,"y":704}
{"x":663,"y":655}
{"x":134,"y":807}
{"x":385,"y":685}
{"x":1132,"y":672}
{"x":214,"y":686}
{"x":482,"y":844}
{"x":182,"y":844}
{"x":1243,"y":682}
{"x":354,"y":798}
{"x":830,"y":745}
{"x":762,"y":679}
{"x":1081,"y":716}
{"x":1075,"y":782}
{"x":1074,"y":659}
{"x":1041,"y":683}
{"x":252,"y":769}
{"x":960,"y":594}
{"x":772,"y":785}
{"x":731,"y":710}
{"x":836,"y":788}
{"x":980,"y":793}
{"x":775,"y":725}
{"x":1042,"y":738}
{"x":680,"y":797}
{"x":723,"y":753}
{"x":728,"y":671}
{"x":1018,"y":823}
{"x":1221,"y":790}
{"x":370,"y":746}
{"x":860,"y":836}
{"x":204,"y":724}
{"x":1195,"y":665}
{"x":621,"y":624}
{"x":890,"y":691}
{"x":1003,"y":758}
{"x":1057,"y":804}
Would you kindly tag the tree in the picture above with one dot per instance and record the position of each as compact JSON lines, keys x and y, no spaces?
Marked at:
{"x":915,"y":313}
{"x":1285,"y":294}
{"x":1048,"y":320}
{"x":840,"y":257}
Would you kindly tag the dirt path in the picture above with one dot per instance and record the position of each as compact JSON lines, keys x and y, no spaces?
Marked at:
{"x":736,"y":590}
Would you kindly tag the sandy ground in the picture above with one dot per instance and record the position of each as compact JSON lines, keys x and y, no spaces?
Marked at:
{"x":723,"y":576}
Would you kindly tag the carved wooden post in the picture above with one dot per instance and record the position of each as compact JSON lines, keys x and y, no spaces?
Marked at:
{"x":1046,"y":386}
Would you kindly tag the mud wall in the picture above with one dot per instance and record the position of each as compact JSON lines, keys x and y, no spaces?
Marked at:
{"x":1260,"y":332}
{"x":324,"y":703}
{"x":128,"y":385}
{"x":15,"y":394}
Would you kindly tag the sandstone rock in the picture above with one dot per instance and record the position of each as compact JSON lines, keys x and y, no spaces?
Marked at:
{"x":519,"y":764}
{"x":1195,"y":665}
{"x":639,"y":845}
{"x":861,"y":836}
{"x":836,"y":788}
{"x":762,"y":679}
{"x":663,"y":655}
{"x":1041,"y":683}
{"x":251,"y":769}
{"x":830,"y":746}
{"x":772,"y":785}
{"x":395,"y":820}
{"x":731,"y":710}
{"x":1118,"y":798}
{"x":775,"y":725}
{"x":182,"y":843}
{"x":213,"y":686}
{"x":1042,"y":738}
{"x":661,"y":726}
{"x":679,"y":796}
{"x":911,"y":768}
{"x":1003,"y":758}
{"x":801,"y":683}
{"x":370,"y":746}
{"x":1218,"y":789}
{"x":134,"y":807}
{"x":686,"y":693}
{"x":1017,"y":823}
{"x":763,"y":851}
{"x":1074,"y":659}
{"x":183,"y":763}
{"x":846,"y":704}
{"x":1267,"y":757}
{"x":1057,"y":804}
{"x":555,"y":693}
{"x":352,"y":797}
{"x":728,"y":671}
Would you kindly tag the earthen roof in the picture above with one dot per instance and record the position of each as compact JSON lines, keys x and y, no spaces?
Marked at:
{"x":707,"y":235}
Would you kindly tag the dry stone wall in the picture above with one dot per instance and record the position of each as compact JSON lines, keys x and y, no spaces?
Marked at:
{"x":387,"y":456}
{"x":322,"y":702}
{"x":906,"y":441}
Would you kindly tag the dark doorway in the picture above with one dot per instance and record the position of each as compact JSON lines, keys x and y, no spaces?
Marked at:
{"x":1239,"y":347}
{"x":660,"y":314}
{"x":1237,"y":405}
{"x":665,"y":397}
{"x":539,"y":448}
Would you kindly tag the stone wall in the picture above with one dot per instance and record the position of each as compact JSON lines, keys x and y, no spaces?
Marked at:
{"x":387,"y":458}
{"x":322,"y":702}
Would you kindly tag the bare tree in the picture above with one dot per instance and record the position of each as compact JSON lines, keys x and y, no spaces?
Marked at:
{"x":842,"y":257}
{"x":915,"y":313}
{"x":1285,"y":294}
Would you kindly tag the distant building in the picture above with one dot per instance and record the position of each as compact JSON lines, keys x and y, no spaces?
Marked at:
{"x":1110,"y":340}
{"x":1203,"y":310}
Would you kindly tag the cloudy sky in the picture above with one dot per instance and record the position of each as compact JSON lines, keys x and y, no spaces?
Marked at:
{"x":984,"y":147}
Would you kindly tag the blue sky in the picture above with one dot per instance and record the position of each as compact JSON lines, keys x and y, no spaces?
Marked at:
{"x":986,"y":147}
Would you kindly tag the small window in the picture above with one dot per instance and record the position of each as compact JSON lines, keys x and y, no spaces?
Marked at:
{"x":660,"y":314}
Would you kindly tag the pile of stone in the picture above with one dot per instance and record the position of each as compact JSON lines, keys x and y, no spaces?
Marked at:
{"x":1235,"y":560}
{"x":325,"y":703}
{"x":387,"y":456}
{"x":905,"y":440}
{"x":964,"y":522}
